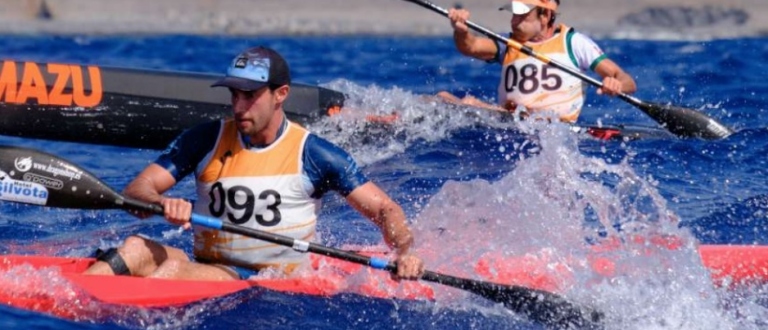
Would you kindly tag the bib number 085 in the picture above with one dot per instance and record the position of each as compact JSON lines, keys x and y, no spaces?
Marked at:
{"x":529,"y":78}
{"x":221,"y":199}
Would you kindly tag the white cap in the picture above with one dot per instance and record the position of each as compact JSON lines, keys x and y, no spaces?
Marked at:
{"x":522,"y":7}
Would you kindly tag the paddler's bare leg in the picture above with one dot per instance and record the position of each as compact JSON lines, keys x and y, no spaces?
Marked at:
{"x":186,"y":270}
{"x":146,"y":258}
{"x":468,"y":100}
{"x":448,"y":97}
{"x":141,"y":257}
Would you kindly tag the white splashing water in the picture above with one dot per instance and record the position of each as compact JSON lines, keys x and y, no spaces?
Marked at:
{"x":419,"y":118}
{"x":539,"y":217}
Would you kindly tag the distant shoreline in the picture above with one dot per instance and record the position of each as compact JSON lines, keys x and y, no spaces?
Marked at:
{"x":636,"y":19}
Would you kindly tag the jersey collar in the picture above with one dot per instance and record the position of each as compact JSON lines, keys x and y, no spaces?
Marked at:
{"x":247,"y":140}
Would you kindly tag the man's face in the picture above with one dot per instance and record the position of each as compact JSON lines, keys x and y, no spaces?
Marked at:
{"x":253,"y":110}
{"x":527,"y":26}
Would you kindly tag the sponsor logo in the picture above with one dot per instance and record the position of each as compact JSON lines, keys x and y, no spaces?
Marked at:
{"x":43,"y":180}
{"x":718,"y":129}
{"x":262,"y":63}
{"x":20,"y":191}
{"x":241,"y":62}
{"x":23,"y":164}
{"x":50,"y":84}
{"x":260,"y":69}
{"x":63,"y":170}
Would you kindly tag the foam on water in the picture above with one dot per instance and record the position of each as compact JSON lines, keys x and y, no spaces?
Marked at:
{"x":554,"y":205}
{"x":419,"y":118}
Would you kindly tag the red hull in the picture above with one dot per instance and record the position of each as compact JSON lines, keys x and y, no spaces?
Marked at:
{"x":25,"y":281}
{"x":27,"y":287}
{"x":728,"y":265}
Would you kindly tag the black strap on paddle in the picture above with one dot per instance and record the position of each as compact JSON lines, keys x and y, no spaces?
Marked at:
{"x":682,"y":122}
{"x":33,"y":177}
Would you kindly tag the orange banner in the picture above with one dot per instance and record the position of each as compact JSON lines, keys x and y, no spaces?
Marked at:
{"x":68,"y":88}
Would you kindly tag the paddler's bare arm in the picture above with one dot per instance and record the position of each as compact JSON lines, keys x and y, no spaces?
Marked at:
{"x":372,"y":202}
{"x":149,"y":186}
{"x":467,"y":43}
{"x":615,"y":80}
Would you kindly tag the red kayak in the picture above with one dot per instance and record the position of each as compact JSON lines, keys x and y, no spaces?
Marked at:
{"x":26,"y":281}
{"x":729,"y":265}
{"x":33,"y":282}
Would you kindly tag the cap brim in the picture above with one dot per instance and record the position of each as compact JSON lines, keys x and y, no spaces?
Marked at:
{"x":239,"y":83}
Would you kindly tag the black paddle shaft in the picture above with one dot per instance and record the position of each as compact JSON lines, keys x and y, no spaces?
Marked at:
{"x":680,"y":121}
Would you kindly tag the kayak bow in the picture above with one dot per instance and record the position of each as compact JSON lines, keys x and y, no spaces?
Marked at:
{"x":124,"y":107}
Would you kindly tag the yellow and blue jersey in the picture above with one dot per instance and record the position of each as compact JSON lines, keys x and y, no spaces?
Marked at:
{"x":275,"y":188}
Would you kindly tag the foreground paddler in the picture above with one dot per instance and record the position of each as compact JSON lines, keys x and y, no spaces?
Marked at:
{"x":257,"y":170}
{"x":528,"y":84}
{"x":21,"y":170}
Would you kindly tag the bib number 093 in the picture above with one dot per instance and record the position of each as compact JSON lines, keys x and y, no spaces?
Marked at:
{"x":222,"y":199}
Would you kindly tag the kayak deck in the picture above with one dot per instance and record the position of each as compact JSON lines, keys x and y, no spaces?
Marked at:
{"x":150,"y":292}
{"x":729,"y":265}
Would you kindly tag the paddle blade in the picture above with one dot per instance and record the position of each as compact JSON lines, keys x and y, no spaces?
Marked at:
{"x":549,"y":309}
{"x":540,"y":306}
{"x":33,"y":177}
{"x":685,"y":122}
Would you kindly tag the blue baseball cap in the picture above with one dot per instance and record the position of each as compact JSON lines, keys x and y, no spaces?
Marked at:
{"x":255,"y":68}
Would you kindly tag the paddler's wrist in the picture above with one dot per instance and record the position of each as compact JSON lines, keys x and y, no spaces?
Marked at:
{"x":402,"y":252}
{"x":403,"y":245}
{"x":461,"y":35}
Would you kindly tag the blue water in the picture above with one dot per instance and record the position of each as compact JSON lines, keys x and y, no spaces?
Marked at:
{"x":469,"y":184}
